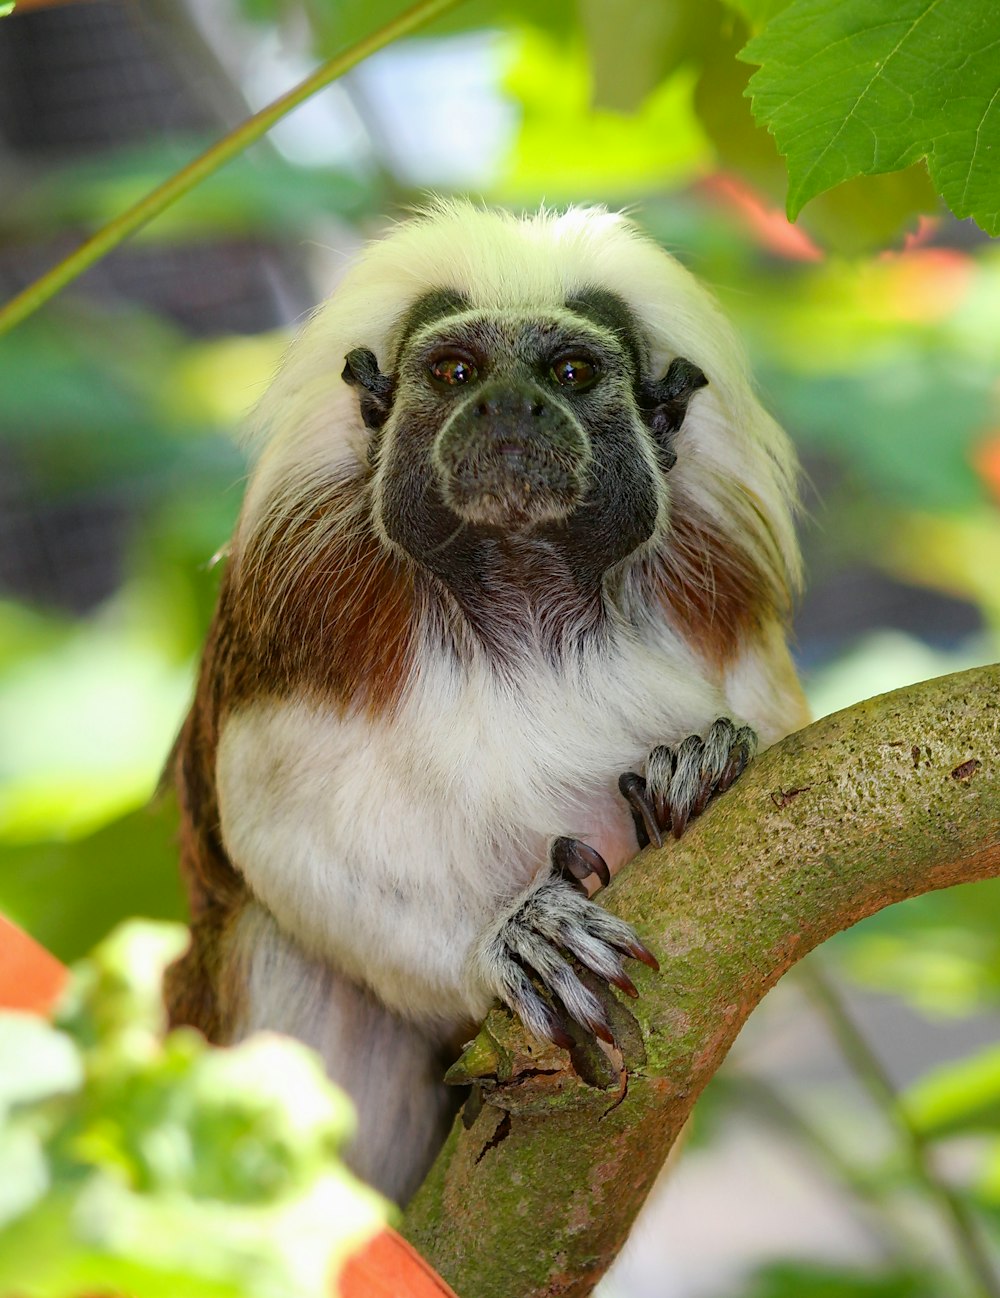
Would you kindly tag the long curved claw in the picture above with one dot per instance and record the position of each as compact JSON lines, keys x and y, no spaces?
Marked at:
{"x":633,"y":789}
{"x":575,"y":860}
{"x":643,"y":954}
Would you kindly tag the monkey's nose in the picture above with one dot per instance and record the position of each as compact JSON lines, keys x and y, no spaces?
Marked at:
{"x":510,"y":408}
{"x":510,"y":424}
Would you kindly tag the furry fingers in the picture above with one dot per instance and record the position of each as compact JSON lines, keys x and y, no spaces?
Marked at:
{"x":680,"y":780}
{"x":556,"y":917}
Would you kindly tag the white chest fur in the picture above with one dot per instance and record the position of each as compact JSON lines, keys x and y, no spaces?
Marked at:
{"x":388,"y":845}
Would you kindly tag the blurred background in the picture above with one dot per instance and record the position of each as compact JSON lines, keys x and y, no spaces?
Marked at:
{"x":874,"y":329}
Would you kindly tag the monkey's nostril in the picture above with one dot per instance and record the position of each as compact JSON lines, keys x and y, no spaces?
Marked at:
{"x":482,"y":410}
{"x":537,"y":409}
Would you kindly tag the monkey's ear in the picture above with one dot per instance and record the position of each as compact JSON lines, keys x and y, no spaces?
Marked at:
{"x":361,"y":370}
{"x":664,"y":404}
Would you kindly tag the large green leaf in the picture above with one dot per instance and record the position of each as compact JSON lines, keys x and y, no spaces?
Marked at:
{"x":69,"y":895}
{"x":859,"y":87}
{"x":863,"y":214}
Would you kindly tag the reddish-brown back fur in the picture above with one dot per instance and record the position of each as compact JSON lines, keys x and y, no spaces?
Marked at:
{"x":326,"y":607}
{"x":714,"y":590}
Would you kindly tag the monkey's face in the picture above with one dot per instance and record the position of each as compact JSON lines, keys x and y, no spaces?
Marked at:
{"x":497,"y":427}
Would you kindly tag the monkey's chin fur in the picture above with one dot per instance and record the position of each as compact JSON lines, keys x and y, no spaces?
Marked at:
{"x":512,"y":509}
{"x":512,"y":493}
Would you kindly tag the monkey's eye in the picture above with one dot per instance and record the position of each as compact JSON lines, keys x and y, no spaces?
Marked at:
{"x":574,"y":372}
{"x":453,"y":370}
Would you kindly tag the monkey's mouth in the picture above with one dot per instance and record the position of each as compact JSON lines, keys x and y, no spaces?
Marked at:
{"x":511,"y":484}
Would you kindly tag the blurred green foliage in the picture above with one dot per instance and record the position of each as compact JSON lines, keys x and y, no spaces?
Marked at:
{"x":880,"y":358}
{"x":263,"y":194}
{"x":793,"y":1280}
{"x":150,"y":1165}
{"x":962,"y":1097}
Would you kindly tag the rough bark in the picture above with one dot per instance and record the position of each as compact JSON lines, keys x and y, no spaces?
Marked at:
{"x":535,"y":1194}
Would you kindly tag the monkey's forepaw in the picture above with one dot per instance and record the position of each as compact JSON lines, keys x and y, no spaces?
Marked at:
{"x":554,"y":916}
{"x":680,"y":781}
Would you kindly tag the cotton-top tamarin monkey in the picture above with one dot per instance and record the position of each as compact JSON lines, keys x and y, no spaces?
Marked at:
{"x":507,"y":599}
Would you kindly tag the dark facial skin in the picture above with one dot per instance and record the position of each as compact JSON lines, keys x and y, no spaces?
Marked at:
{"x":521,"y":443}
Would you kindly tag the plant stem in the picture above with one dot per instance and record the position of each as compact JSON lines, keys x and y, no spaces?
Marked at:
{"x":213,"y":159}
{"x":868,"y":1069}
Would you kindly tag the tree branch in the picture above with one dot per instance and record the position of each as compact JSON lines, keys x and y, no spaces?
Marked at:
{"x":886,"y":800}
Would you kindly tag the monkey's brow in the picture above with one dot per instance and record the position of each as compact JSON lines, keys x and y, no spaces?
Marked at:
{"x":506,"y":329}
{"x":436,"y":304}
{"x":602,"y":307}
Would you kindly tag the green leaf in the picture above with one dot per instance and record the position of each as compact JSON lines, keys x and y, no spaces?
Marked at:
{"x":6,"y":8}
{"x":48,"y":1062}
{"x":860,"y":87}
{"x":958,"y":1097}
{"x":863,"y":214}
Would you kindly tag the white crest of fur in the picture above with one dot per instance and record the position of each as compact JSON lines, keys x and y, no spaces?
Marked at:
{"x":734,"y":462}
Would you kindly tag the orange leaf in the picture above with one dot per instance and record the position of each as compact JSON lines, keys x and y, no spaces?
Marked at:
{"x":30,"y":978}
{"x":389,"y":1267}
